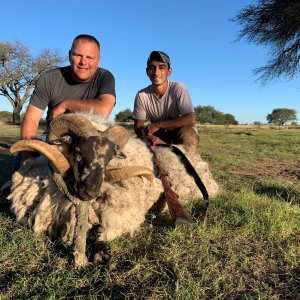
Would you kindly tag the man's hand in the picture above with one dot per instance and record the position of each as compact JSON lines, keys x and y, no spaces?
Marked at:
{"x":59,"y":109}
{"x":152,"y":127}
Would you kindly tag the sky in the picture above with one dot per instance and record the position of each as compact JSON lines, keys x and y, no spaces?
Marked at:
{"x":197,"y":35}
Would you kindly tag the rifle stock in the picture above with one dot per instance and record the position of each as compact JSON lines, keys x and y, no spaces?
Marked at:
{"x":178,"y":213}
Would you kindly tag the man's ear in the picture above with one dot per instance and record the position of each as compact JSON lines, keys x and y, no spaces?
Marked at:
{"x":169,"y":71}
{"x":70,"y":53}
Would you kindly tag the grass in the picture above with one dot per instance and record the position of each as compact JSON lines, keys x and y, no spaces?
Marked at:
{"x":247,"y":248}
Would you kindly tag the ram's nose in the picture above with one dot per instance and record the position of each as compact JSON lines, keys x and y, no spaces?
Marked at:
{"x":85,"y":195}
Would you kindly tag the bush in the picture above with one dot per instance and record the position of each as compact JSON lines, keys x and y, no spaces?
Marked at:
{"x":124,"y":116}
{"x":5,"y":117}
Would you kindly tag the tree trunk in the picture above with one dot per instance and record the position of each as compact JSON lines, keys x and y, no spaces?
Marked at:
{"x":17,"y":115}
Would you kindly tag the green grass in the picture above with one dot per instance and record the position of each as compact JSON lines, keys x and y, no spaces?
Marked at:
{"x":247,"y":248}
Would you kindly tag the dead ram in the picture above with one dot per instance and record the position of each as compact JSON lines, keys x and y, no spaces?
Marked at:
{"x":87,"y":186}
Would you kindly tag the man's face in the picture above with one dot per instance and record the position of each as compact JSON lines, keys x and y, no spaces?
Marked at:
{"x":158,"y":72}
{"x":84,"y":59}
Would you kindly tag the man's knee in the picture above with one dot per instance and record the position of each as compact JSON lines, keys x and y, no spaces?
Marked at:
{"x":189,"y":137}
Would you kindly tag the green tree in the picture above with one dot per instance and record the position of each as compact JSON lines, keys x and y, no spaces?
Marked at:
{"x":275,"y":24}
{"x":208,"y":114}
{"x":280,"y":116}
{"x":205,"y":114}
{"x":19,"y":70}
{"x":257,"y":123}
{"x":124,"y":115}
{"x":230,"y":119}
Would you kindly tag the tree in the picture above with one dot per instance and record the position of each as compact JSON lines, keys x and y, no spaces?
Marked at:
{"x":124,"y":115}
{"x":19,"y":70}
{"x":208,"y":114}
{"x":205,"y":114}
{"x":276,"y":24}
{"x":280,"y":116}
{"x":229,"y":119}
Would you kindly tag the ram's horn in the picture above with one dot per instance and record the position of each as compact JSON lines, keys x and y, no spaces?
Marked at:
{"x":118,"y":135}
{"x":71,"y":124}
{"x":56,"y":158}
{"x":121,"y":173}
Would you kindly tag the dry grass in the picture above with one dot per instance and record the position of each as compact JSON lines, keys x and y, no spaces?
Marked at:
{"x":248,"y":247}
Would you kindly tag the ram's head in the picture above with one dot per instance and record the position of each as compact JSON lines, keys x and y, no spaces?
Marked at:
{"x":78,"y":151}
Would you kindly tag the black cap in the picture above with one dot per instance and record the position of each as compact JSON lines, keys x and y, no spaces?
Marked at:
{"x":159,"y":56}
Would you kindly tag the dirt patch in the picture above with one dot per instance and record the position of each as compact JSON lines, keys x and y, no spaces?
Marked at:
{"x":287,"y":170}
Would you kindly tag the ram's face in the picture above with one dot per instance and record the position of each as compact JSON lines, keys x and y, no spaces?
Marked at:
{"x":92,"y":155}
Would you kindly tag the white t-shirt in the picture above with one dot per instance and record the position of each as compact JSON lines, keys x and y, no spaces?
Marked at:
{"x":173,"y":104}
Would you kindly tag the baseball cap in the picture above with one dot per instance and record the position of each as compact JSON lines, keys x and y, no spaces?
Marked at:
{"x":159,"y":56}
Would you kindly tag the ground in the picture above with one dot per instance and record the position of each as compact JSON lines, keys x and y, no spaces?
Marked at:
{"x":272,"y":169}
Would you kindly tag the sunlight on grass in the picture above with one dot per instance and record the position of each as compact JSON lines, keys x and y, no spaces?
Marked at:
{"x":247,"y":248}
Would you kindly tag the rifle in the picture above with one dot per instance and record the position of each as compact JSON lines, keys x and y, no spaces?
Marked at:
{"x":178,"y":214}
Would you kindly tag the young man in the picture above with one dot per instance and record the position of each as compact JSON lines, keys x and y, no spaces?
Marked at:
{"x":167,"y":105}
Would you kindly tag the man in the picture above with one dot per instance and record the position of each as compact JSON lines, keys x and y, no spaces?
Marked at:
{"x":82,"y":86}
{"x":167,"y":105}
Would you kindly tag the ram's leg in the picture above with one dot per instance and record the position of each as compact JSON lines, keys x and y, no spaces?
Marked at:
{"x":99,"y":251}
{"x":79,"y":251}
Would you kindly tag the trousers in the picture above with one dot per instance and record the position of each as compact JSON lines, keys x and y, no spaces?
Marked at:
{"x":187,"y":136}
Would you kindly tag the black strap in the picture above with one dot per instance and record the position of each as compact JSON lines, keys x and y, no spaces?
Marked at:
{"x":191,"y":171}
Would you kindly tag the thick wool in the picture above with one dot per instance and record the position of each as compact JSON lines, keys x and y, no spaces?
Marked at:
{"x":139,"y":155}
{"x":122,"y":206}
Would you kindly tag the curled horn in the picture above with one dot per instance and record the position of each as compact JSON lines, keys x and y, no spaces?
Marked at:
{"x":118,"y":135}
{"x":56,"y":158}
{"x":118,"y":174}
{"x":80,"y":126}
{"x":71,"y":124}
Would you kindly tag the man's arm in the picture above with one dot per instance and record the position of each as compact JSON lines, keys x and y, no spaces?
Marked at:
{"x":188,"y":119}
{"x":30,"y":122}
{"x":29,"y":128}
{"x":102,"y":105}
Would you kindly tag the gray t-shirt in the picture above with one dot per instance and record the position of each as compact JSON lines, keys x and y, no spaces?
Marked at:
{"x":173,"y":104}
{"x":56,"y":85}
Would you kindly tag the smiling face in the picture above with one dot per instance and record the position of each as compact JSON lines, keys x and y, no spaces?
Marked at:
{"x":84,"y":59}
{"x":158,"y":72}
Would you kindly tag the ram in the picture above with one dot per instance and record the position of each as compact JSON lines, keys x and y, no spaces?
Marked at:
{"x":98,"y":180}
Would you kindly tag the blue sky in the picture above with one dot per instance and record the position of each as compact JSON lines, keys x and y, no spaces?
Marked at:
{"x":196,"y":34}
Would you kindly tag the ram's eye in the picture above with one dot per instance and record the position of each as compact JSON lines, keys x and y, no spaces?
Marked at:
{"x":118,"y":153}
{"x":78,"y":157}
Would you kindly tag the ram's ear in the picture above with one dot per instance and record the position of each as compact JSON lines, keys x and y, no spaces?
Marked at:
{"x":118,"y":153}
{"x":65,"y":139}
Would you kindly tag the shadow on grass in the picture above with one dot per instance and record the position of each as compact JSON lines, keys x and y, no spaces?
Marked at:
{"x":284,"y":193}
{"x":6,"y":162}
{"x":5,"y":206}
{"x":154,"y":272}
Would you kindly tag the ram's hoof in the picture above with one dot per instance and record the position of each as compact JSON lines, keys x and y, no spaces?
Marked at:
{"x":81,"y":261}
{"x":101,"y":258}
{"x":181,"y":221}
{"x":101,"y":253}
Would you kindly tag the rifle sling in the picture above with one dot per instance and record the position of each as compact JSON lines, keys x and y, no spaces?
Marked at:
{"x":190,"y":170}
